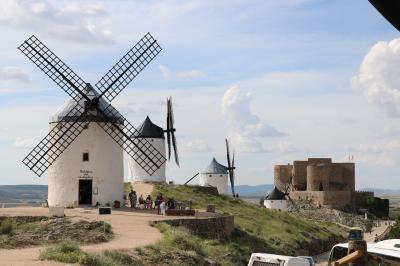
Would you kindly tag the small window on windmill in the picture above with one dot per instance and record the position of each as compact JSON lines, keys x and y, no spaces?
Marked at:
{"x":210,"y":175}
{"x":86,"y":126}
{"x":85,"y":157}
{"x":220,"y":175}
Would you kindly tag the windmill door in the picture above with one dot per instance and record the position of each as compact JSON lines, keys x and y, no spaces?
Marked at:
{"x":85,"y":191}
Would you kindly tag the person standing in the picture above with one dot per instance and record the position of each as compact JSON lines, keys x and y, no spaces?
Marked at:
{"x":133,"y":198}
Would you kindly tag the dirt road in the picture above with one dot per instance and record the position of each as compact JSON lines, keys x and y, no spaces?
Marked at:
{"x":131,"y":229}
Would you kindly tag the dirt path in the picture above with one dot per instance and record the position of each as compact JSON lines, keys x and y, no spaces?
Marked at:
{"x":131,"y":229}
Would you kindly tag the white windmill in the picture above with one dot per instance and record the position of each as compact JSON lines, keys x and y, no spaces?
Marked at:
{"x":84,"y":146}
{"x":216,"y":174}
{"x":155,"y":135}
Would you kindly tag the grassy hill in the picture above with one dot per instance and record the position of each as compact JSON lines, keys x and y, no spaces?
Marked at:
{"x":277,"y":231}
{"x":256,"y":230}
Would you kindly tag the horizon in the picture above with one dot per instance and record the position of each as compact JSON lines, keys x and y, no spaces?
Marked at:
{"x":280,"y":86}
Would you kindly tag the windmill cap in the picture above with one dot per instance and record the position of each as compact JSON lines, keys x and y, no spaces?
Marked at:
{"x":149,"y":130}
{"x":215,"y":168}
{"x":64,"y":113}
{"x":275,"y":194}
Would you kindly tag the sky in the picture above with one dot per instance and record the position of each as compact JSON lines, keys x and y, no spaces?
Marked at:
{"x":282,"y":80}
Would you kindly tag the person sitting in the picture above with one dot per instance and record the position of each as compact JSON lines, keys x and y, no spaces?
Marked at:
{"x":149,"y":202}
{"x":142,"y":202}
{"x":171,"y":203}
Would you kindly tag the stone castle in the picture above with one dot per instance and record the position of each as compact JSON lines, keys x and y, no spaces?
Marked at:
{"x":321,"y":181}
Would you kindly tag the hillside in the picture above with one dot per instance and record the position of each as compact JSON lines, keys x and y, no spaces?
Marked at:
{"x":257,"y":229}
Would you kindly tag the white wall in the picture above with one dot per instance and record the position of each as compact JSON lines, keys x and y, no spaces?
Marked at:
{"x":105,"y":167}
{"x":136,"y":172}
{"x":276,"y":204}
{"x":220,"y":181}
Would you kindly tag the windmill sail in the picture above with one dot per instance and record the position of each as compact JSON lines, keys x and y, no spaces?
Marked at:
{"x":231,"y":168}
{"x":113,"y":123}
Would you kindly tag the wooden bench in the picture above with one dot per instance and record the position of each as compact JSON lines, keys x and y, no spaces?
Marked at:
{"x":175,"y":212}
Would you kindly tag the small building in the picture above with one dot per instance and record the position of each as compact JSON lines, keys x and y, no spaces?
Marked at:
{"x":91,"y":169}
{"x":155,"y":135}
{"x":215,"y":175}
{"x":276,"y":200}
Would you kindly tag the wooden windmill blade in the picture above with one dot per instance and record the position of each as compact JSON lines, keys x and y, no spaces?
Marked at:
{"x":140,"y":149}
{"x":116,"y":126}
{"x":54,"y":67}
{"x":56,"y":141}
{"x":128,"y":67}
{"x":172,"y":130}
{"x":168,"y":128}
{"x":230,"y":168}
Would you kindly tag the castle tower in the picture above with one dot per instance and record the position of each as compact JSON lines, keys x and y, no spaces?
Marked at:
{"x":90,"y":170}
{"x":155,"y":135}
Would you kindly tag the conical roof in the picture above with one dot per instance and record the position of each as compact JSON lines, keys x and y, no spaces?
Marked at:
{"x":64,"y":113}
{"x":149,"y":130}
{"x":215,"y":168}
{"x":275,"y":194}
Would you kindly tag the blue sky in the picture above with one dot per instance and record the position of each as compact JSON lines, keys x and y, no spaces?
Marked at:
{"x":284,"y":80}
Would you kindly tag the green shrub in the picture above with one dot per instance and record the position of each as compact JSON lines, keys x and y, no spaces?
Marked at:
{"x":395,"y":230}
{"x":68,"y":252}
{"x":6,"y":227}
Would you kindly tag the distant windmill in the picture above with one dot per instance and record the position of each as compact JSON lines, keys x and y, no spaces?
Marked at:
{"x":156,"y":135}
{"x":216,"y":174}
{"x":90,"y":115}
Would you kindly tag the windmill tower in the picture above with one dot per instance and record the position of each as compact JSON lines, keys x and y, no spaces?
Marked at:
{"x":216,"y":174}
{"x":84,"y":146}
{"x":155,"y":135}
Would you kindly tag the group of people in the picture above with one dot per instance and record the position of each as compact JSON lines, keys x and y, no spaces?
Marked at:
{"x":160,"y":202}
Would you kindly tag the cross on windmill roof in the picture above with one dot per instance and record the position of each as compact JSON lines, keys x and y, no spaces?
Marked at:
{"x":92,"y":105}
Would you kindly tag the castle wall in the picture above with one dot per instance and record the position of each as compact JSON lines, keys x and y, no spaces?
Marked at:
{"x":318,"y":175}
{"x":333,"y":199}
{"x":360,"y":196}
{"x":282,"y":174}
{"x":300,"y":175}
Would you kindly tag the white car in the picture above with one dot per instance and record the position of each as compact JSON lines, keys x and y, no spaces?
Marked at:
{"x":265,"y":259}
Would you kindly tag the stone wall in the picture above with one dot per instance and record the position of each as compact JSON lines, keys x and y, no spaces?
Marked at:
{"x":360,"y":196}
{"x":282,"y":174}
{"x":300,"y":175}
{"x":334,"y":199}
{"x":215,"y":227}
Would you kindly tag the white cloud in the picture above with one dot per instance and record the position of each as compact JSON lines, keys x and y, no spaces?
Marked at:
{"x":84,"y":23}
{"x":378,"y":77}
{"x":196,"y":145}
{"x":10,"y":73}
{"x":166,"y":73}
{"x":246,"y":126}
{"x":25,"y":143}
